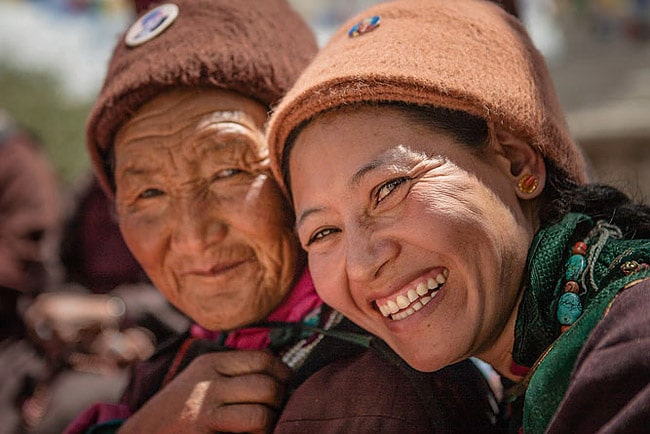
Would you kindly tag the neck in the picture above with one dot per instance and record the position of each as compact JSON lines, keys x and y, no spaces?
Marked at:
{"x":499,"y":355}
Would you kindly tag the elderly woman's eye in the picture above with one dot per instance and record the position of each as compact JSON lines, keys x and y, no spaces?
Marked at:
{"x":385,"y":189}
{"x":150,"y":193}
{"x":227,"y":173}
{"x":321,"y":234}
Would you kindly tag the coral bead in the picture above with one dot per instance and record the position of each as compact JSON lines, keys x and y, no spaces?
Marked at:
{"x":579,"y":248}
{"x":572,"y":286}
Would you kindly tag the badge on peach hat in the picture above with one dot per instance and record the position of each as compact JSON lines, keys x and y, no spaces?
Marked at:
{"x":151,"y":24}
{"x":364,"y":26}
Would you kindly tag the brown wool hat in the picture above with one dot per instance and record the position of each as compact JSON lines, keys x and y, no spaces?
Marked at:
{"x":467,"y":55}
{"x":253,"y":47}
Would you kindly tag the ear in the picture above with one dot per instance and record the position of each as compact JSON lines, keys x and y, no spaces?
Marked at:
{"x":527,"y":166}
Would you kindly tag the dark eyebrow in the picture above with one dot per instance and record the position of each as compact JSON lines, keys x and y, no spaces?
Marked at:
{"x":359,"y":175}
{"x":134,"y":171}
{"x":391,"y":159}
{"x":306,"y":213}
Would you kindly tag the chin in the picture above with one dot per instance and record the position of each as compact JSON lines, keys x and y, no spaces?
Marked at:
{"x":422,"y":365}
{"x":422,"y":360}
{"x":216,"y":321}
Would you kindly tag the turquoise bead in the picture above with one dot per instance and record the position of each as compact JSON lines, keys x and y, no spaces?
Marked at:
{"x":574,"y":267}
{"x":569,"y":308}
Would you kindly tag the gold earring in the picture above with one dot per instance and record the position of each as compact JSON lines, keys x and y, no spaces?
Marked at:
{"x":528,"y":184}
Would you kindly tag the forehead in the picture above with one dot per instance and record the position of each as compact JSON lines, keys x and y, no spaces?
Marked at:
{"x":362,"y":131}
{"x":193,"y":121}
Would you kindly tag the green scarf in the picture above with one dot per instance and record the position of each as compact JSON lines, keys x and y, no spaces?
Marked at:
{"x":537,"y":331}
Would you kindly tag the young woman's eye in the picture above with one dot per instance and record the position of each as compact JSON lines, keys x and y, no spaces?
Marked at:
{"x":321,"y":234}
{"x":388,"y":188}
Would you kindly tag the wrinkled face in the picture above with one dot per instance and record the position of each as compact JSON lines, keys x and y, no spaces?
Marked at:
{"x":198,"y":210}
{"x":409,"y":233}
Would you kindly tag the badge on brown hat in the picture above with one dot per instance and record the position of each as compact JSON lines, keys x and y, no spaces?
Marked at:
{"x":151,"y":24}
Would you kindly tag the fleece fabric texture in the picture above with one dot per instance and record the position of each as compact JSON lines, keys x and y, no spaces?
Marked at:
{"x":256,"y":48}
{"x":468,"y":55}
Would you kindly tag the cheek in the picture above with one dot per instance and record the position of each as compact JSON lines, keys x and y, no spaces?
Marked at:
{"x":266,"y":224}
{"x":262,"y":210}
{"x":145,"y":241}
{"x":329,"y":280}
{"x":140,"y":238}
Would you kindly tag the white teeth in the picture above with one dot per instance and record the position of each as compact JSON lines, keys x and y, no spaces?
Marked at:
{"x":402,"y":301}
{"x":415,"y":299}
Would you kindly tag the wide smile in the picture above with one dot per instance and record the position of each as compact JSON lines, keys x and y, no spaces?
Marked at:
{"x":413,"y":299}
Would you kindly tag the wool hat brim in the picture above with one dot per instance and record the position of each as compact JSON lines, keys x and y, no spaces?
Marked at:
{"x":467,"y":55}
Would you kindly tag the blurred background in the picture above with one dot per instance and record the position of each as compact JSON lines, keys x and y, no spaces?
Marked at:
{"x":53,"y":55}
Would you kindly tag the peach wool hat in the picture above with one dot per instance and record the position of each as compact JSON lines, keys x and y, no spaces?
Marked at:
{"x":467,"y":55}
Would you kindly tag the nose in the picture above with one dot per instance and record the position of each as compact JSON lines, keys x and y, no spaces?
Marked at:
{"x":197,"y":225}
{"x":368,"y":251}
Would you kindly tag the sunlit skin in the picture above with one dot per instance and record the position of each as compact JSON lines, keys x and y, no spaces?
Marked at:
{"x":198,"y":209}
{"x":383,"y":203}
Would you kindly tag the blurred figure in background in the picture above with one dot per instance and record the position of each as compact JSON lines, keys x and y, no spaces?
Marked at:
{"x":31,"y":212}
{"x":75,"y":307}
{"x":31,"y":216}
{"x":103,"y":317}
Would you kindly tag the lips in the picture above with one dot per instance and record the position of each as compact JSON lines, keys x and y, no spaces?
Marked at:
{"x":219,"y":268}
{"x":415,"y":298}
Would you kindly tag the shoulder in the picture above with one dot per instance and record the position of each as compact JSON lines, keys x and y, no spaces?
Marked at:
{"x":357,"y":394}
{"x":625,"y":322}
{"x":371,"y":393}
{"x":613,"y":365}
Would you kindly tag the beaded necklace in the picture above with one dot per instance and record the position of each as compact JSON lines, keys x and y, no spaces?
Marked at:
{"x":578,"y":278}
{"x":579,"y":272}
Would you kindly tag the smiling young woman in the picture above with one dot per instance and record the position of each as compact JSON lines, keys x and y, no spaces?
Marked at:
{"x":445,"y":208}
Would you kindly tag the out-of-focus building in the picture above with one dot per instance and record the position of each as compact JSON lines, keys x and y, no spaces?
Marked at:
{"x":603,"y":78}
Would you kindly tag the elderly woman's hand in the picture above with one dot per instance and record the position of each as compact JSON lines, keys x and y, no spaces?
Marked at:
{"x":233,"y":391}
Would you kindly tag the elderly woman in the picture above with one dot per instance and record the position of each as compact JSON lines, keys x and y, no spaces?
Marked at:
{"x":177,"y":139}
{"x":444,"y":208}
